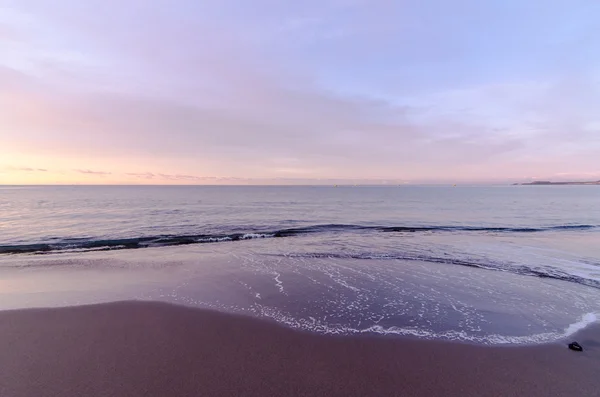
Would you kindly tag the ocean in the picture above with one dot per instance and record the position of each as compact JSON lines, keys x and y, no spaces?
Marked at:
{"x":490,"y":265}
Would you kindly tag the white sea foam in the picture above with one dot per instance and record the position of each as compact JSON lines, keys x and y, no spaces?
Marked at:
{"x":314,"y":325}
{"x":461,"y":336}
{"x":214,"y":239}
{"x":586,"y":319}
{"x":279,"y":283}
{"x":249,"y":236}
{"x":493,"y":339}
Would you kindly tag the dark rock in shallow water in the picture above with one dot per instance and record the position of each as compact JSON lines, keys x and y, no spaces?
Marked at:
{"x":575,"y":346}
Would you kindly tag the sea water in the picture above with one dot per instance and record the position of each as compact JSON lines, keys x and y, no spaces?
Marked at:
{"x":495,"y":265}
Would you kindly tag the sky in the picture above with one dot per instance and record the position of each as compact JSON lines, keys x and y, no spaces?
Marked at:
{"x":273,"y":91}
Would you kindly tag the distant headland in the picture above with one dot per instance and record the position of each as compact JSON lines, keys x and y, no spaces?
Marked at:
{"x":546,"y":183}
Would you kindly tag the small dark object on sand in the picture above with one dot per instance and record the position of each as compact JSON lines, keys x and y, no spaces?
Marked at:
{"x":575,"y":346}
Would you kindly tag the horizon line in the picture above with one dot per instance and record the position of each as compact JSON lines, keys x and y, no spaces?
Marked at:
{"x":268,"y":185}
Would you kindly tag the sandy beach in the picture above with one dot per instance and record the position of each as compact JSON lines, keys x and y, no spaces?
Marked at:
{"x":158,"y":349}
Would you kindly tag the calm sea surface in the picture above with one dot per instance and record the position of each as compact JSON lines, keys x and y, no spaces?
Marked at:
{"x":514,"y":264}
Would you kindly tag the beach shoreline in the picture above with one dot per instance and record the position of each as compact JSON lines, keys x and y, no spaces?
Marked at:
{"x":136,"y":348}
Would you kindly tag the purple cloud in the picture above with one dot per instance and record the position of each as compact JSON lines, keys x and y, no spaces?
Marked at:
{"x":142,"y":175}
{"x":25,"y":169}
{"x":339,"y":90}
{"x":90,"y":172}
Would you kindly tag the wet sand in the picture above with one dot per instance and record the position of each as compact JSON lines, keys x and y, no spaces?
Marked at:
{"x":157,"y":349}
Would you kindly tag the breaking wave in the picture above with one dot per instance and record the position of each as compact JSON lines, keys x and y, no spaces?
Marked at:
{"x":91,"y":244}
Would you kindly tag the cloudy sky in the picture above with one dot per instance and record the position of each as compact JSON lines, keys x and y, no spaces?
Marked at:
{"x":274,"y":91}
